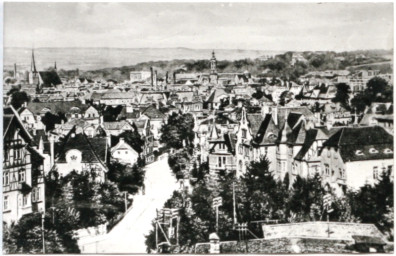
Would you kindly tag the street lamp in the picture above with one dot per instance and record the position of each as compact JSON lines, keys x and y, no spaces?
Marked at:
{"x":42,"y":229}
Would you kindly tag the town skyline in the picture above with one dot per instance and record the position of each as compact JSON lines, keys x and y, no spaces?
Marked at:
{"x":295,"y":27}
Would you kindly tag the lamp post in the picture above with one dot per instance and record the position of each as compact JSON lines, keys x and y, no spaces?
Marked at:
{"x":42,"y":229}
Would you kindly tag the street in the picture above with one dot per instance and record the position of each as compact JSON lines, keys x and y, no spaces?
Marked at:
{"x":128,"y":236}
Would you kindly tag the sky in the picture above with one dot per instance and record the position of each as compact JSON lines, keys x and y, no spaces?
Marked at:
{"x":255,"y":26}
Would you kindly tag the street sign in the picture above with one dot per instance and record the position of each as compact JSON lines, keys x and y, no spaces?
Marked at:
{"x":217,"y":201}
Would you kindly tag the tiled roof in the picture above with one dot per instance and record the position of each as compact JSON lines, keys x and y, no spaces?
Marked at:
{"x":153,"y":113}
{"x":254,"y":122}
{"x":49,"y":78}
{"x":117,"y":125}
{"x":55,"y":107}
{"x":93,"y":150}
{"x":355,"y":143}
{"x":267,"y":133}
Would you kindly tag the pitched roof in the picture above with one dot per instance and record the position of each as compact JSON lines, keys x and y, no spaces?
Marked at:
{"x":93,"y":150}
{"x":116,"y":125}
{"x":362,"y":143}
{"x":55,"y":107}
{"x":254,"y":122}
{"x":215,"y":95}
{"x":50,"y":78}
{"x":267,"y":133}
{"x":309,"y":140}
{"x":153,"y":113}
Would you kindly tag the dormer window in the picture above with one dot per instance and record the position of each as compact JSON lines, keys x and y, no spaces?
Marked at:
{"x":388,"y":151}
{"x":359,"y":153}
{"x":373,"y":151}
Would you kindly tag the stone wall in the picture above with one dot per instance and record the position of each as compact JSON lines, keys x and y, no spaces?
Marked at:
{"x":340,"y":230}
{"x":280,"y":245}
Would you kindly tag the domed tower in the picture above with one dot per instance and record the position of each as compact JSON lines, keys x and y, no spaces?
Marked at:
{"x":213,"y":69}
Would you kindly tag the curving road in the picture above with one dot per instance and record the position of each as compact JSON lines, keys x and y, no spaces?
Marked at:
{"x":128,"y":236}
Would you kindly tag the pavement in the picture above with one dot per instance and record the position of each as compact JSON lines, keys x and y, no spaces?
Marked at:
{"x":128,"y":236}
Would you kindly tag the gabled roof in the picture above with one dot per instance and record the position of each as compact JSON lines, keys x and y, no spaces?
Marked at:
{"x":116,"y":125}
{"x":356,"y":143}
{"x":123,"y":145}
{"x":93,"y":150}
{"x":254,"y":122}
{"x":55,"y":107}
{"x":215,"y":95}
{"x":267,"y":133}
{"x":153,"y":113}
{"x":49,"y":78}
{"x":10,"y":118}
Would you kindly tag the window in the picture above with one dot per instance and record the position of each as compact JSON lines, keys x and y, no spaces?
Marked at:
{"x":17,"y":154}
{"x":246,"y":151}
{"x":266,"y":150}
{"x":342,"y":173}
{"x":373,"y":151}
{"x":21,"y":175}
{"x":375,"y":172}
{"x":25,"y":200}
{"x":240,"y":149}
{"x":6,"y":178}
{"x":5,"y":203}
{"x":36,"y":194}
{"x":332,"y":172}
{"x":390,"y":167}
{"x":327,"y":170}
{"x":219,"y":164}
{"x":126,"y":152}
{"x":244,"y":133}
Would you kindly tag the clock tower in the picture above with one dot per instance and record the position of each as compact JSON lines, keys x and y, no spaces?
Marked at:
{"x":213,"y":71}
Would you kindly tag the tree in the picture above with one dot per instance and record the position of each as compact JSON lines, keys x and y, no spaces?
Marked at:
{"x":49,"y":120}
{"x":178,"y":130}
{"x":258,"y":94}
{"x":18,"y":98}
{"x":134,"y":139}
{"x":378,"y":90}
{"x":342,"y":95}
{"x":26,"y":236}
{"x":374,"y":204}
{"x":129,"y":179}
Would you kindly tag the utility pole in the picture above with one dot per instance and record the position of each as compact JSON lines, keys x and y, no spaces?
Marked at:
{"x":42,"y":229}
{"x":234,"y":203}
{"x":217,"y":201}
{"x":125,"y":200}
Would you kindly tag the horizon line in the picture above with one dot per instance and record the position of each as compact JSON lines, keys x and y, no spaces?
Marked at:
{"x":180,"y":47}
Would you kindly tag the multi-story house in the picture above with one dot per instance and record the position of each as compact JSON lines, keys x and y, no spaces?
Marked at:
{"x":23,"y":170}
{"x":221,"y":152}
{"x":355,"y":156}
{"x":248,"y":126}
{"x":79,"y":153}
{"x":307,"y":162}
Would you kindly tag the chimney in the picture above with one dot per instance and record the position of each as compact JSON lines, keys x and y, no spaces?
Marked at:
{"x":152,"y":76}
{"x":52,"y":151}
{"x":15,"y":71}
{"x":155,"y":79}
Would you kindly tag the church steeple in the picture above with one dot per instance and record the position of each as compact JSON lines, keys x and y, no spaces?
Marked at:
{"x":55,"y":65}
{"x":213,"y":63}
{"x":33,"y":64}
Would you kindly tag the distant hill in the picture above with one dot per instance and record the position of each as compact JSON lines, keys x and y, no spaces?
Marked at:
{"x":99,"y":58}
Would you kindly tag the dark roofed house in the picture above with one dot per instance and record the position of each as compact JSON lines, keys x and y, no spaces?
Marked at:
{"x":355,"y":156}
{"x":79,"y":153}
{"x":49,"y":79}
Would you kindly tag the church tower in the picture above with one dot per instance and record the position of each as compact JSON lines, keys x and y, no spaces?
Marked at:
{"x":213,"y":69}
{"x":33,"y":74}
